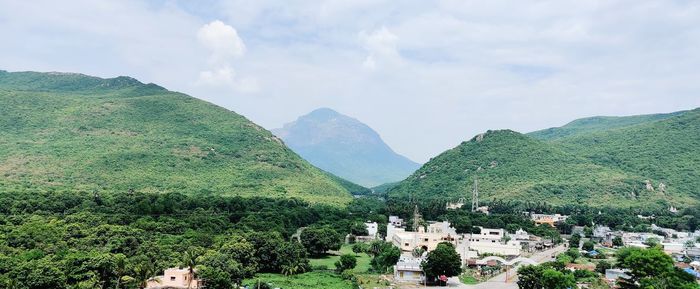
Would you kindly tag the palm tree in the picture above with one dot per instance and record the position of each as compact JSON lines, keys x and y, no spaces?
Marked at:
{"x":288,"y":270}
{"x":375,"y":247}
{"x":189,"y":260}
{"x":417,"y":252}
{"x":120,"y":270}
{"x":142,"y":274}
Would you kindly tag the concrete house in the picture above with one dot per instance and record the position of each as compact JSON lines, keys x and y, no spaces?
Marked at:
{"x":408,"y":270}
{"x":173,"y":278}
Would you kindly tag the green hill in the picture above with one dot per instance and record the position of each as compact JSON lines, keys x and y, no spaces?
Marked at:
{"x":664,"y":151}
{"x":514,"y":167}
{"x":598,"y":123}
{"x":62,"y":131}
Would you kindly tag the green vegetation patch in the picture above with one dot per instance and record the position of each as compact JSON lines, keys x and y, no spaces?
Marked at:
{"x":329,"y":260}
{"x":301,"y":281}
{"x":76,"y":132}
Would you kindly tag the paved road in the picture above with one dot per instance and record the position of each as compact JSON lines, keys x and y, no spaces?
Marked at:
{"x":499,"y":281}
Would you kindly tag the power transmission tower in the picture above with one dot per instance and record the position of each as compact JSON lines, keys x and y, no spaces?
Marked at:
{"x":475,"y":195}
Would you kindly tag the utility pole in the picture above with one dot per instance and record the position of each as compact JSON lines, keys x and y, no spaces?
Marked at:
{"x":475,"y":195}
{"x":416,"y":219}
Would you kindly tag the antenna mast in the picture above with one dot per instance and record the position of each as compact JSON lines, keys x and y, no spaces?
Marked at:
{"x":416,"y":219}
{"x":475,"y":195}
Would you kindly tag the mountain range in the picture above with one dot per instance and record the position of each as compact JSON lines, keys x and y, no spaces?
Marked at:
{"x":346,"y":147}
{"x":67,"y":131}
{"x":598,"y":161}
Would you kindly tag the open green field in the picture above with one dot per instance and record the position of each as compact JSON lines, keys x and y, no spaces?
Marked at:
{"x":329,"y":260}
{"x":364,"y":277}
{"x":301,"y":281}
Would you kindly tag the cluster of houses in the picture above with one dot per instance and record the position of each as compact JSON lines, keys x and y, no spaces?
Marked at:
{"x":415,"y":245}
{"x":680,"y":245}
{"x":469,"y":246}
{"x":546,"y":219}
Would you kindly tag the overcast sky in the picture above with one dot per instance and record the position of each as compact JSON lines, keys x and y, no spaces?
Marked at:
{"x":425,"y":74}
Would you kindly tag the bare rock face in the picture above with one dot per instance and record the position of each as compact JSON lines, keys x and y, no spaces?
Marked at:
{"x":480,"y":137}
{"x":662,"y":187}
{"x":649,"y":186}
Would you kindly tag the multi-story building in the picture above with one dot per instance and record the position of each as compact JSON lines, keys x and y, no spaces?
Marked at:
{"x":491,"y":241}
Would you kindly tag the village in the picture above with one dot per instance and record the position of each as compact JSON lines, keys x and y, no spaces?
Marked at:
{"x":490,"y":257}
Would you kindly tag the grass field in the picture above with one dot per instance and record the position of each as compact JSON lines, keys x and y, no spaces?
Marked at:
{"x":329,"y":260}
{"x":364,"y":278}
{"x":301,"y":281}
{"x":468,"y":279}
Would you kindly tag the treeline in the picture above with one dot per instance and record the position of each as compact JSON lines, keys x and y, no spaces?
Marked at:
{"x":100,"y":240}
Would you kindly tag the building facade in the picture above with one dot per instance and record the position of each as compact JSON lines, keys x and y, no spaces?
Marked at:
{"x":173,"y":278}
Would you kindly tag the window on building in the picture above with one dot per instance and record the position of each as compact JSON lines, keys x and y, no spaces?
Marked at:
{"x":172,"y":278}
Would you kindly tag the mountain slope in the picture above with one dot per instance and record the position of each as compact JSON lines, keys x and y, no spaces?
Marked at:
{"x":61,"y":131}
{"x":598,"y":123}
{"x":345,"y":147}
{"x":514,"y":167}
{"x":664,"y":151}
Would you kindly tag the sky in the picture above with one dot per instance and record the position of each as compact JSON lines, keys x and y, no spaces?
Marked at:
{"x":426,"y":75}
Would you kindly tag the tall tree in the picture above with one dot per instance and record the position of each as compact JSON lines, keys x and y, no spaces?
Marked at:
{"x":651,"y":268}
{"x":189,"y":261}
{"x":318,"y":240}
{"x":444,"y":260}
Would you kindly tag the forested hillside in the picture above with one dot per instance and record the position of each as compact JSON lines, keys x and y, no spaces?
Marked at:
{"x":598,"y":123}
{"x":514,"y":167}
{"x":664,"y":151}
{"x":71,"y":132}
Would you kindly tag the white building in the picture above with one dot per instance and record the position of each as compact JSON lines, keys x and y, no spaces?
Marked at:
{"x":638,"y":239}
{"x":521,"y":235}
{"x":436,"y":233}
{"x":468,"y":246}
{"x":408,"y":270}
{"x":396,"y":221}
{"x":372,"y":228}
{"x":491,"y":241}
{"x":613,"y":274}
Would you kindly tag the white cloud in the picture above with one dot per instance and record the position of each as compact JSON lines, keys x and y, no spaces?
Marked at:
{"x":216,"y":77}
{"x":224,"y":45}
{"x":222,"y":40}
{"x":461,"y":66}
{"x":225,"y":77}
{"x":381,"y":46}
